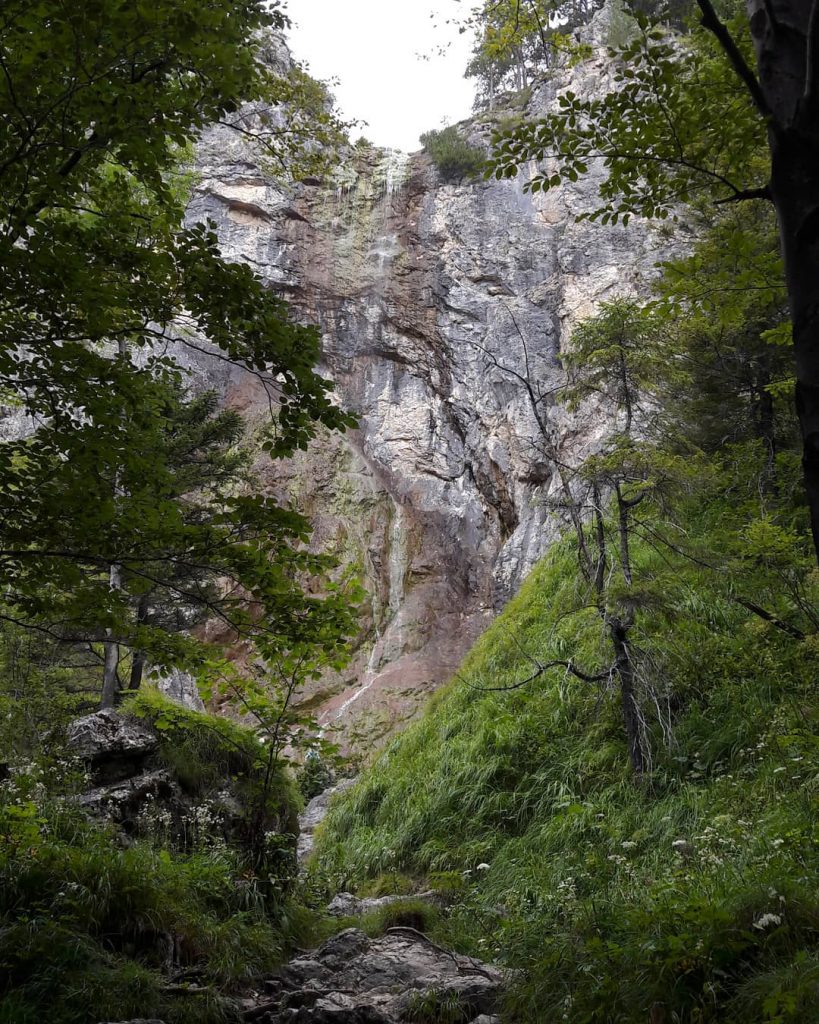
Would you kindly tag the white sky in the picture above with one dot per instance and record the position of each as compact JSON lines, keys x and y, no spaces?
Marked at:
{"x":372,"y":48}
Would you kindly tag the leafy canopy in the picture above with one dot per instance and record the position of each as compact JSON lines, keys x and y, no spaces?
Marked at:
{"x":103,"y":280}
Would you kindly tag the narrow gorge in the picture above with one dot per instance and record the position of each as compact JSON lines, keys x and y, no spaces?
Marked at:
{"x":432,"y":297}
{"x":410,"y":604}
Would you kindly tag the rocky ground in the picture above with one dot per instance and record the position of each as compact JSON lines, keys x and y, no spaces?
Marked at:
{"x":401,"y":976}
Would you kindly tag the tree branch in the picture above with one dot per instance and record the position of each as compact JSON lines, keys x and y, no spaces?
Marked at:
{"x":541,"y":668}
{"x":746,"y":194}
{"x":761,"y":613}
{"x":711,"y":22}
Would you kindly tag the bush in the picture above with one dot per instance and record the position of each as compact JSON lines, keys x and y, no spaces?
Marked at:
{"x":408,"y":913}
{"x":207,"y":754}
{"x":454,"y":157}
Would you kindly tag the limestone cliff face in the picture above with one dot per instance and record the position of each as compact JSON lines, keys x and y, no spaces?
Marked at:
{"x":432,"y":299}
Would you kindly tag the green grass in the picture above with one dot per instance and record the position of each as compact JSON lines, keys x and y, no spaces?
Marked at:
{"x":691,"y":896}
{"x":95,"y":925}
{"x":86,"y":923}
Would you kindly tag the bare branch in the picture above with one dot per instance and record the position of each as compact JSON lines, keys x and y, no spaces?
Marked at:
{"x":747,"y":194}
{"x":761,"y":613}
{"x":539,"y":671}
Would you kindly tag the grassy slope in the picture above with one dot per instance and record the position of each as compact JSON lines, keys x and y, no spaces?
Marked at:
{"x":689,"y":899}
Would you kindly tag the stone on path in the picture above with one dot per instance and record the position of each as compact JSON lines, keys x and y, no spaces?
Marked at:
{"x":353,"y":979}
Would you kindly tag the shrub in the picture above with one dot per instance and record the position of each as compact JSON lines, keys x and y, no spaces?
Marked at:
{"x":207,"y":753}
{"x":452,"y":154}
{"x":408,"y":913}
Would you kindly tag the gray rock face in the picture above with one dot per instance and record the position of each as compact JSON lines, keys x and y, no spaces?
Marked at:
{"x":114,"y":745}
{"x":180,"y":687}
{"x":121,"y":802}
{"x":134,"y":789}
{"x":352,"y":979}
{"x":433,"y":300}
{"x":314,"y":814}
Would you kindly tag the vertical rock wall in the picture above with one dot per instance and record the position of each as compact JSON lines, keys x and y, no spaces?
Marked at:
{"x":431,"y":298}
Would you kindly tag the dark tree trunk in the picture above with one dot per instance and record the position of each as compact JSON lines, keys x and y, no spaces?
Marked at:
{"x":137,"y":669}
{"x":622,"y":526}
{"x":139,"y":658}
{"x":801,"y":255}
{"x":600,"y":536}
{"x":786,"y":39}
{"x":618,"y":631}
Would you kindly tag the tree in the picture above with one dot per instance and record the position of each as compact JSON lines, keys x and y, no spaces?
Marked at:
{"x":611,"y":369}
{"x":100,"y":103}
{"x":691,"y":116}
{"x":202,"y":447}
{"x":514,"y":37}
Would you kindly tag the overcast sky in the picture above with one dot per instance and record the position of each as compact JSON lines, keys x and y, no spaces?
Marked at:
{"x":372,"y":48}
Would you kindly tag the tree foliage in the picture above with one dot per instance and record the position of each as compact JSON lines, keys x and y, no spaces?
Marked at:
{"x":692,"y":117}
{"x":101,"y":104}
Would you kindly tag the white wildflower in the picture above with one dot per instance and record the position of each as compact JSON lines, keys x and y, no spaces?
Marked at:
{"x":766,"y":921}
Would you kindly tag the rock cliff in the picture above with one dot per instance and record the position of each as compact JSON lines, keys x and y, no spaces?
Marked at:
{"x":434,"y":300}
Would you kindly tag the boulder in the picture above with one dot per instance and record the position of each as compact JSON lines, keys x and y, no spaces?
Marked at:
{"x":115,"y":746}
{"x":353,"y":979}
{"x":121,"y":802}
{"x":345,"y":904}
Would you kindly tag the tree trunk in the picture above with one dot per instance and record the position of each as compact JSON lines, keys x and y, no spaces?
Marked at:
{"x":786,"y":39}
{"x":618,"y":631}
{"x":111,"y":659}
{"x":801,"y":255}
{"x":622,"y":525}
{"x":600,"y":534}
{"x":139,"y":657}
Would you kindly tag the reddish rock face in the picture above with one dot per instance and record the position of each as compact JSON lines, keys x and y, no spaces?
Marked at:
{"x":434,"y":300}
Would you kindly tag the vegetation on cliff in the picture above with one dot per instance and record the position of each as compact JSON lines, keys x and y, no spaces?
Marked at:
{"x":618,"y":789}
